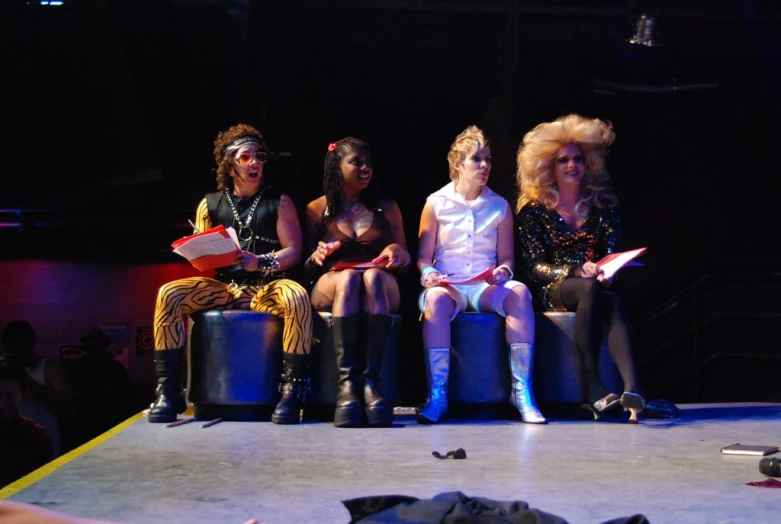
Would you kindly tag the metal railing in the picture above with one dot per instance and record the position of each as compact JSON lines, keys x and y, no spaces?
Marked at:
{"x":682,"y":321}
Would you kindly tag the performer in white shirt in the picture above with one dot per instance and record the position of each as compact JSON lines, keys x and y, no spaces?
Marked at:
{"x":466,"y":229}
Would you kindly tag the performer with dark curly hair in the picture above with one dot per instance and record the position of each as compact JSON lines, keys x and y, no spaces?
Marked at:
{"x":270,"y":238}
{"x":353,"y":223}
{"x":568,"y":219}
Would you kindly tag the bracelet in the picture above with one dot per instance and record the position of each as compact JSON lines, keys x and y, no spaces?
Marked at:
{"x":505,"y":266}
{"x":409,"y":258}
{"x":425,"y":273}
{"x":268,"y":263}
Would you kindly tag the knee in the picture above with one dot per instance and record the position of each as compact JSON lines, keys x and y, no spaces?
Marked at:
{"x":348,"y":284}
{"x":592,"y":290}
{"x":518,"y":303}
{"x":373,"y":282}
{"x":522,"y":295}
{"x":167,"y":295}
{"x":297,"y":295}
{"x":439,"y":305}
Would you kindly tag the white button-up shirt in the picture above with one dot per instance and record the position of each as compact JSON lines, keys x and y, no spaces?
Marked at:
{"x":467,"y":231}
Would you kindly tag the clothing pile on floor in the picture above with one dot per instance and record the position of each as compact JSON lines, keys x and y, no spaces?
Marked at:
{"x":454,"y":508}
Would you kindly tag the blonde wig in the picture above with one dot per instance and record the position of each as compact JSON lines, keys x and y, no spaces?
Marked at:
{"x":471,"y":139}
{"x":537,"y":155}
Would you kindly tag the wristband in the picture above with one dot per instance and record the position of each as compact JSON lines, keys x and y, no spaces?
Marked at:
{"x":425,"y":273}
{"x":505,"y":266}
{"x":268,"y":263}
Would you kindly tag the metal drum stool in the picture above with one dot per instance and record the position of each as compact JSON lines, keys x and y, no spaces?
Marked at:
{"x":557,"y":377}
{"x":234,"y":364}
{"x":479,"y":383}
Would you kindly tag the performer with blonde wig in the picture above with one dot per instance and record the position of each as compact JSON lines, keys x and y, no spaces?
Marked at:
{"x":568,"y":219}
{"x":466,"y":229}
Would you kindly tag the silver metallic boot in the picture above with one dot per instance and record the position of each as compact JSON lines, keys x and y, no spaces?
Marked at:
{"x":437,"y":371}
{"x":522,"y":395}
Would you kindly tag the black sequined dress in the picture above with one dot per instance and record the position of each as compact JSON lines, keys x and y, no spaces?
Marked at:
{"x":550,"y":251}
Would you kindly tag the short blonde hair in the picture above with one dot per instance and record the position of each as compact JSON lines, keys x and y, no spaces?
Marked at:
{"x":470,"y":139}
{"x":537,"y":154}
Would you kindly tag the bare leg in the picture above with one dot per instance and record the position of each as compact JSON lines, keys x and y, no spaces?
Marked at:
{"x":381,"y":292}
{"x":436,"y":319}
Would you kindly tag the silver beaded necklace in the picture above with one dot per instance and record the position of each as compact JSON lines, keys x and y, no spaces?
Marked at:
{"x":245,"y":232}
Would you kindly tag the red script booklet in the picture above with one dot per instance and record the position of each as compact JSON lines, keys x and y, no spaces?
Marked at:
{"x":358,"y":265}
{"x":615,"y":261}
{"x":215,"y":247}
{"x":379,"y":263}
{"x":482,"y":276}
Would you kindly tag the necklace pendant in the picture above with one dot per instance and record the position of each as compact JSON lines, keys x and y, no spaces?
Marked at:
{"x":246,"y":234}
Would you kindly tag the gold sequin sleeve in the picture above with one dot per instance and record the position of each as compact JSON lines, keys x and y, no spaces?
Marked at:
{"x":550,"y":252}
{"x":202,"y":219}
{"x":535,"y":242}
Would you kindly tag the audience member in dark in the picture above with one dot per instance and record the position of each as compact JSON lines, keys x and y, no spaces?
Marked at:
{"x":103,"y":385}
{"x":24,"y":445}
{"x":49,"y":400}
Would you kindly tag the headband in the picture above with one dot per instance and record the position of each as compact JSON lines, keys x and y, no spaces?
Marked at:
{"x":236,"y":144}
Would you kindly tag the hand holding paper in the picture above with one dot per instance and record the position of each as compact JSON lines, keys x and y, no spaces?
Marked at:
{"x":480,"y":277}
{"x":615,"y":261}
{"x":213,"y":248}
{"x":381,"y":262}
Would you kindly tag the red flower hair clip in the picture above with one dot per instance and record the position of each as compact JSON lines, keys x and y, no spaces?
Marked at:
{"x":332,"y":147}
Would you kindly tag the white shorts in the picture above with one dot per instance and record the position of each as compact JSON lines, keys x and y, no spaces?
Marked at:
{"x":467,"y":296}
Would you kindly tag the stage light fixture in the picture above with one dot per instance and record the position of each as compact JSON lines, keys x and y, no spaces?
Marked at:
{"x":644,"y":31}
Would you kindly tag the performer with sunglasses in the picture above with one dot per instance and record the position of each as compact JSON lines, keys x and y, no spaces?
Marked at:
{"x":270,"y":238}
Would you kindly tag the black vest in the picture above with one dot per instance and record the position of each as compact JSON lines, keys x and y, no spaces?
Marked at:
{"x":263,"y":224}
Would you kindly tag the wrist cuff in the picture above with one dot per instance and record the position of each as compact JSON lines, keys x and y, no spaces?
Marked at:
{"x":426,"y":272}
{"x":505,"y":266}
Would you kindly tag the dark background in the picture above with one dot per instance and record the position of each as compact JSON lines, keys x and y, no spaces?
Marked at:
{"x":110,"y":109}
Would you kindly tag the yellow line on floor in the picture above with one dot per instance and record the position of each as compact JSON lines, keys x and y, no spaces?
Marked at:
{"x":54,"y":465}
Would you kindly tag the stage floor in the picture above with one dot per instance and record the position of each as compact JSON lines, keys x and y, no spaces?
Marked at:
{"x":585,"y":472}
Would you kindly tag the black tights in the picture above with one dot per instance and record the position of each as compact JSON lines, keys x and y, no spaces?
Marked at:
{"x":594,"y":310}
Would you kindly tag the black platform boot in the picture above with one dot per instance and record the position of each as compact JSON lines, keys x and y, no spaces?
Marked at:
{"x":349,"y":411}
{"x":294,"y":388}
{"x":169,"y":401}
{"x":376,"y":329}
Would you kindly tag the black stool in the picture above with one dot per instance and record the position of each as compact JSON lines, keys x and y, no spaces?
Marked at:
{"x":479,"y":383}
{"x":557,"y":377}
{"x":234,"y":364}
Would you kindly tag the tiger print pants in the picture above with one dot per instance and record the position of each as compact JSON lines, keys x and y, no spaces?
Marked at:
{"x":282,"y":298}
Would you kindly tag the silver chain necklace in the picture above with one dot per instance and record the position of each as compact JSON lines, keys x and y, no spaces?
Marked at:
{"x":245,"y":232}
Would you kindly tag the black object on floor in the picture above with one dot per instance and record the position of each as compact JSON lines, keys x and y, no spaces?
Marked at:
{"x":454,"y":508}
{"x":457,"y":454}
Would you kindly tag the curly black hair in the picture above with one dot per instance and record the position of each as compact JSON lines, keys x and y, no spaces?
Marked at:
{"x":221,"y":143}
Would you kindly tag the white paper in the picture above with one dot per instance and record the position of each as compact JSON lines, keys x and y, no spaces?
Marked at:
{"x":617,"y":263}
{"x":209,"y":244}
